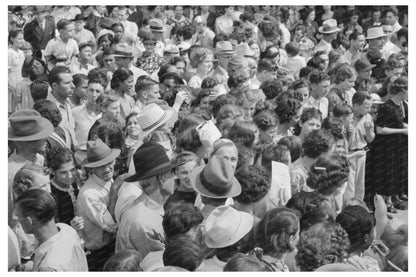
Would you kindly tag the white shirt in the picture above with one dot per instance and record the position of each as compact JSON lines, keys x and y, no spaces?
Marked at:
{"x":295,"y":64}
{"x":83,"y":123}
{"x":320,"y":104}
{"x":127,"y":193}
{"x":323,"y":45}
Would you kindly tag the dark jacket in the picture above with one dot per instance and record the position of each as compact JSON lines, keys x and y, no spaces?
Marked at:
{"x":36,"y":36}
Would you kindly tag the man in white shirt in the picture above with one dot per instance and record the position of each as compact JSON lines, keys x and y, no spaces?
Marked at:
{"x":357,"y":42}
{"x":224,"y":23}
{"x":392,"y":18}
{"x":83,"y":65}
{"x":129,"y":27}
{"x":320,"y":83}
{"x":329,"y":30}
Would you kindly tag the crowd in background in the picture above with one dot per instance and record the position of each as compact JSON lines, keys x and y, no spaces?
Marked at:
{"x":207,"y":138}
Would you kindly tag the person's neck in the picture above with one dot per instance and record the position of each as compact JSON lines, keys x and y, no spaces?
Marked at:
{"x":307,"y":161}
{"x":327,"y":39}
{"x":201,"y":73}
{"x":26,"y":154}
{"x":357,"y":114}
{"x":91,"y":107}
{"x":58,"y":97}
{"x":45,"y":232}
{"x":15,"y":48}
{"x":282,"y":128}
{"x":315,"y":95}
{"x":119,"y":93}
{"x":354,"y":50}
{"x":153,"y":192}
{"x":82,"y":61}
{"x":64,"y":40}
{"x":60,"y":184}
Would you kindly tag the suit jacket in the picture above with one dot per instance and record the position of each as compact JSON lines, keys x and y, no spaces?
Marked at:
{"x":36,"y":36}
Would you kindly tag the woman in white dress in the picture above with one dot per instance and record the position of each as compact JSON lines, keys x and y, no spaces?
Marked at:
{"x":15,"y":63}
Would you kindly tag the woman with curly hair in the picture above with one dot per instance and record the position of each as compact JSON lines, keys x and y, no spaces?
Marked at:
{"x":288,"y":111}
{"x":318,"y":143}
{"x":328,"y":176}
{"x":226,"y":117}
{"x":202,"y":60}
{"x":123,"y":83}
{"x":267,"y":122}
{"x":310,"y":120}
{"x":321,"y":244}
{"x":277,"y":234}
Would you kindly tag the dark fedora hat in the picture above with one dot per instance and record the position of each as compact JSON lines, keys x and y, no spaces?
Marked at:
{"x":99,"y":154}
{"x":216,"y":179}
{"x":28,"y":125}
{"x":79,"y":17}
{"x":150,"y":160}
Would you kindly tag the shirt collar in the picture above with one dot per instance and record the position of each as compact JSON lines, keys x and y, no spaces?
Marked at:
{"x":101,"y":182}
{"x":66,"y":105}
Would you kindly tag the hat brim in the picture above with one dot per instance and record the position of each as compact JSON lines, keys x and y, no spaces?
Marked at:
{"x":46,"y":131}
{"x":169,"y":114}
{"x":224,"y":53}
{"x":199,"y":187}
{"x":114,"y":154}
{"x":122,"y":56}
{"x":138,"y":176}
{"x":321,"y":30}
{"x":381,"y":36}
{"x":246,"y":224}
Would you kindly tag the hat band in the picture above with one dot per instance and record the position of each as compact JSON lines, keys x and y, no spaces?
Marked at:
{"x":93,"y":157}
{"x":220,"y":191}
{"x":122,"y":53}
{"x":328,"y":28}
{"x":25,"y":128}
{"x":155,"y":123}
{"x":156,"y":28}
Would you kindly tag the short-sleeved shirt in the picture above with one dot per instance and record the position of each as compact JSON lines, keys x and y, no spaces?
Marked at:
{"x":83,"y":123}
{"x":357,"y":140}
{"x":58,"y":47}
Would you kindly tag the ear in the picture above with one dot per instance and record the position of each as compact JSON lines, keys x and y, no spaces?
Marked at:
{"x":144,"y":94}
{"x":366,"y":238}
{"x":54,"y":86}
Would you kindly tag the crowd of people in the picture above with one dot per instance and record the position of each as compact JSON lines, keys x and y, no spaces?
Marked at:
{"x":207,"y":138}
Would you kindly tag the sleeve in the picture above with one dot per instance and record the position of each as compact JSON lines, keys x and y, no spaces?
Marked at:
{"x":97,"y":212}
{"x":332,"y":101}
{"x":48,"y":48}
{"x":147,"y":238}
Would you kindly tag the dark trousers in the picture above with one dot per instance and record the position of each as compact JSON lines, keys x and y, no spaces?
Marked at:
{"x":97,"y":258}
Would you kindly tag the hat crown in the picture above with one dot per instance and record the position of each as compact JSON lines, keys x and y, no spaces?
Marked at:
{"x":217,"y":176}
{"x":156,"y":24}
{"x":150,"y":156}
{"x":224,"y":46}
{"x":375,"y":32}
{"x":25,"y":122}
{"x":97,"y":150}
{"x":329,"y":25}
{"x":123,"y":50}
{"x":150,"y":116}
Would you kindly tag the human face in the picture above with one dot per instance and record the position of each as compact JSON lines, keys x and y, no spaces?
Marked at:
{"x":295,"y":119}
{"x":106,"y":171}
{"x":18,"y":40}
{"x":256,"y":49}
{"x":178,"y":11}
{"x":364,"y":108}
{"x":183,"y":173}
{"x":153,"y":93}
{"x":340,"y":146}
{"x":405,"y":95}
{"x":204,"y":104}
{"x":224,"y":60}
{"x":302,"y":94}
{"x":230,"y":153}
{"x":229,"y":11}
{"x":396,"y":72}
{"x":67,"y":32}
{"x":311,"y":17}
{"x":180,"y":66}
{"x":347,"y":84}
{"x":93,"y":91}
{"x":86,"y":53}
{"x":109,"y":62}
{"x":37,"y":68}
{"x":252,"y":67}
{"x":149,"y":45}
{"x":390,"y":18}
{"x":113,"y":110}
{"x":269,"y":135}
{"x":359,"y":42}
{"x":347,"y":120}
{"x":65,"y":175}
{"x":123,"y":62}
{"x":81,"y":90}
{"x":118,"y":32}
{"x":105,"y":43}
{"x":377,"y":43}
{"x":207,"y":64}
{"x":326,"y":59}
{"x":133,"y":127}
{"x":79,"y":24}
{"x":127,"y":85}
{"x":321,"y":89}
{"x":376,"y":16}
{"x":248,"y":109}
{"x":309,"y":126}
{"x":65,"y":88}
{"x":122,"y":15}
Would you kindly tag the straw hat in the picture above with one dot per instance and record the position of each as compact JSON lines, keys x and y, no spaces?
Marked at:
{"x":99,"y":154}
{"x":152,"y":116}
{"x":329,"y":26}
{"x":123,"y":51}
{"x":156,"y":25}
{"x":225,"y":226}
{"x":28,"y":125}
{"x":224,"y":48}
{"x":376,"y":32}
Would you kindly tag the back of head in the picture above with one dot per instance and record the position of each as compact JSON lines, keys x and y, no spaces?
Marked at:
{"x":182,"y":252}
{"x":294,"y":144}
{"x":317,"y":143}
{"x":254,"y":181}
{"x":125,"y":260}
{"x":111,"y":134}
{"x":38,"y":205}
{"x":395,"y":233}
{"x":275,"y":152}
{"x":242,"y":133}
{"x":26,"y":178}
{"x":39,"y":90}
{"x":243,"y":262}
{"x":48,"y":110}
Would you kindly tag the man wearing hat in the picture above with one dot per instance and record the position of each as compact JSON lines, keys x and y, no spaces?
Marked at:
{"x":28,"y":131}
{"x":41,"y":29}
{"x":205,"y":36}
{"x":329,"y":30}
{"x":157,"y":28}
{"x":123,"y":56}
{"x":80,"y":33}
{"x":96,"y":202}
{"x":141,"y":227}
{"x":223,"y":52}
{"x":215,"y":182}
{"x":82,"y":65}
{"x":170,"y":52}
{"x":375,"y":38}
{"x":224,"y":229}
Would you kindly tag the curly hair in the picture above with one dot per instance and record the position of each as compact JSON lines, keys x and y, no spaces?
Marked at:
{"x":265,"y":120}
{"x":111,"y":134}
{"x":48,"y":110}
{"x":254,"y":181}
{"x":307,"y":114}
{"x":321,"y":244}
{"x":242,"y":133}
{"x":317,"y":143}
{"x":328,"y":174}
{"x":119,"y":76}
{"x":179,"y":218}
{"x":24,"y":179}
{"x":399,"y":85}
{"x":275,"y":152}
{"x":287,"y":108}
{"x":188,"y":140}
{"x":358,"y":223}
{"x":294,"y":144}
{"x":227,"y":111}
{"x":343,"y":73}
{"x":335,"y":126}
{"x":220,"y":101}
{"x":185,"y":157}
{"x":273,"y":232}
{"x":209,"y":82}
{"x":341,"y":110}
{"x":199,"y":56}
{"x":245,"y":155}
{"x":183,"y":252}
{"x":272,"y":88}
{"x":57,"y":157}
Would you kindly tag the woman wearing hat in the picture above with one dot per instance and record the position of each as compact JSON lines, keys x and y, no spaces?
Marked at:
{"x":150,"y":60}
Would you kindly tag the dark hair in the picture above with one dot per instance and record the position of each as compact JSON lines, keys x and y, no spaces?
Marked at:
{"x":317,"y":143}
{"x":220,"y":101}
{"x":243,"y":262}
{"x":343,"y":73}
{"x":240,"y":133}
{"x":217,"y":38}
{"x":48,"y":110}
{"x":292,"y":49}
{"x":254,"y":182}
{"x":77,"y":79}
{"x":188,"y":140}
{"x":358,"y":223}
{"x":111,"y":134}
{"x":305,"y":12}
{"x":266,"y":65}
{"x":183,"y":252}
{"x":354,"y":35}
{"x":209,"y":82}
{"x":201,"y":95}
{"x":179,"y":218}
{"x":116,"y":25}
{"x":318,"y":76}
{"x":273,"y":232}
{"x":309,"y":113}
{"x":399,"y":85}
{"x":14,"y":33}
{"x":335,"y":126}
{"x":125,"y":260}
{"x":54,"y":75}
{"x":186,"y":31}
{"x":272,"y":88}
{"x":144,"y":83}
{"x":359,"y":97}
{"x":275,"y":152}
{"x":27,"y":70}
{"x":58,"y":157}
{"x":38,"y":204}
{"x":63,"y":23}
{"x":236,"y":81}
{"x":403,"y":32}
{"x":245,"y":154}
{"x":266,"y":119}
{"x":305,"y":72}
{"x":271,"y":52}
{"x":294,"y":144}
{"x":341,"y":110}
{"x":119,"y":76}
{"x":39,"y":90}
{"x":227,"y":111}
{"x":316,"y":62}
{"x":164,"y":70}
{"x":328,"y":174}
{"x":110,"y":37}
{"x":286,"y":109}
{"x":98,"y":74}
{"x":303,"y":201}
{"x":321,"y":244}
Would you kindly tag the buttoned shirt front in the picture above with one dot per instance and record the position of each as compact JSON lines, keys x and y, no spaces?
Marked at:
{"x":68,"y":121}
{"x":77,"y":68}
{"x":58,"y":47}
{"x":320,"y":104}
{"x":92,"y":203}
{"x":357,"y":139}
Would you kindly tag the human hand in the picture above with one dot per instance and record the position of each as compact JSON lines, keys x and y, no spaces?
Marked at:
{"x":405,"y":131}
{"x":380,"y":214}
{"x":368,"y":125}
{"x":77,"y":223}
{"x":182,"y":96}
